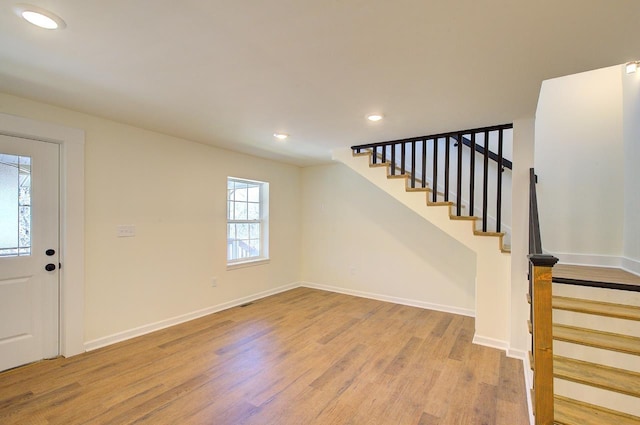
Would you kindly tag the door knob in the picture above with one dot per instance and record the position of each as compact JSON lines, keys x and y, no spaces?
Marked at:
{"x":50,"y":267}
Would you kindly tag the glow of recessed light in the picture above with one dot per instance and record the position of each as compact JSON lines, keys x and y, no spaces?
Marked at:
{"x":280,"y":136}
{"x":631,"y":67}
{"x":374,"y":117}
{"x":39,"y":16}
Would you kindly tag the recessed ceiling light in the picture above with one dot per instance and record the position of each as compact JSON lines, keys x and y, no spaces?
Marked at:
{"x":631,"y":67}
{"x":280,"y":136}
{"x":39,"y":16}
{"x":374,"y":117}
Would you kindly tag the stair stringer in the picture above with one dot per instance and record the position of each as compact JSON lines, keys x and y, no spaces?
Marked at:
{"x":493,"y":267}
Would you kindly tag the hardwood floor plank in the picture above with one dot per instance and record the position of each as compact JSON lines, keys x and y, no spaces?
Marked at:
{"x":300,"y":357}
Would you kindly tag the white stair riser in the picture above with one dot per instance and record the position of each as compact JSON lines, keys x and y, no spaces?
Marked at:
{"x":597,"y":294}
{"x":609,"y":399}
{"x":597,"y":355}
{"x":596,"y":322}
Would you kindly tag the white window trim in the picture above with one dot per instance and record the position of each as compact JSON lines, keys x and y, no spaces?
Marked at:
{"x":264,"y":228}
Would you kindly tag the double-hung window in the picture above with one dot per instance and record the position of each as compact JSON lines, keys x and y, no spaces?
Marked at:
{"x":247,"y":221}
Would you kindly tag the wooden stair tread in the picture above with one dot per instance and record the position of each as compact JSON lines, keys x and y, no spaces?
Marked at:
{"x":573,"y":412}
{"x":578,"y":305}
{"x":596,"y":375}
{"x":566,"y":273}
{"x":598,"y":339}
{"x":599,"y":277}
{"x":481,"y":233}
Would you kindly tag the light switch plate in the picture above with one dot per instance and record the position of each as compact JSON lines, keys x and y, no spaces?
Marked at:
{"x":126,"y":231}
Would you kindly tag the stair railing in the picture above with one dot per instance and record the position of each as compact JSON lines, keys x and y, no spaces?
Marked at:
{"x":540,"y":277}
{"x":422,"y":159}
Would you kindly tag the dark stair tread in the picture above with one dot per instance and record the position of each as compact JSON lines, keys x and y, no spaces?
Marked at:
{"x":573,"y":412}
{"x":596,"y":375}
{"x":578,"y":305}
{"x":598,"y":339}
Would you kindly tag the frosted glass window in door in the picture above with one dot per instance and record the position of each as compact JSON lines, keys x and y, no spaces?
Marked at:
{"x":15,"y":205}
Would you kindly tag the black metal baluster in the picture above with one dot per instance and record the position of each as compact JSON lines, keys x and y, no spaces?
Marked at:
{"x":485,"y":182}
{"x":459,"y":182}
{"x":447,"y":148}
{"x":472,"y":175}
{"x":384,"y":153}
{"x":413,"y":164}
{"x":499,"y":188}
{"x":402,"y":158}
{"x":435,"y":170}
{"x":393,"y":160}
{"x":424,"y":162}
{"x":374,"y":155}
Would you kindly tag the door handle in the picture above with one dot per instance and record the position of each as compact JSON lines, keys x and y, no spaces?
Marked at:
{"x":50,"y":267}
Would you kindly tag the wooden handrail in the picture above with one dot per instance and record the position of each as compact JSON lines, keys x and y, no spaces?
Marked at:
{"x":540,"y":289}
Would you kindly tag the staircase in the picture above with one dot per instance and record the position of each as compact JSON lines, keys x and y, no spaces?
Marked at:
{"x":589,"y":362}
{"x":585,"y":339}
{"x":409,"y":170}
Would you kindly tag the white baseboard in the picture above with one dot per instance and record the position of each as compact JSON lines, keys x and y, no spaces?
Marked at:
{"x":491,"y":342}
{"x":528,"y":384}
{"x":630,"y":265}
{"x":588,"y":259}
{"x":517,"y":354}
{"x":152,"y":327}
{"x":391,"y":299}
{"x":625,"y":263}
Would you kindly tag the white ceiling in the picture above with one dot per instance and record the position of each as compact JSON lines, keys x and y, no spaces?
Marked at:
{"x":231,"y":73}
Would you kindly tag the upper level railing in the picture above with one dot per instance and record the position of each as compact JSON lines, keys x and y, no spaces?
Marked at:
{"x":471,"y":178}
{"x":540,"y":278}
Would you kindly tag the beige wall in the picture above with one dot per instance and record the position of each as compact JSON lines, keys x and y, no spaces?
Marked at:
{"x":173,"y":191}
{"x":579,"y":159}
{"x":631,"y":131}
{"x":358,"y":238}
{"x":523,"y":134}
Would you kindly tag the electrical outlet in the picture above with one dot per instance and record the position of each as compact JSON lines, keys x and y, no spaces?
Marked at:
{"x":214,"y":282}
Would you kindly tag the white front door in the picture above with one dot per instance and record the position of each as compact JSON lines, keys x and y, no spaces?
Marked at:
{"x":29,"y":251}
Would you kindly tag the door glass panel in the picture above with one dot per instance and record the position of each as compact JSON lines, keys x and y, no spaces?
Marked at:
{"x":15,"y":205}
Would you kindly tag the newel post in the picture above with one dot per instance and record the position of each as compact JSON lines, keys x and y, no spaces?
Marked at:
{"x":542,"y":349}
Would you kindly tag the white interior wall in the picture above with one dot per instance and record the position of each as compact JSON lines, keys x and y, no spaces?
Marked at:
{"x":174,"y":192}
{"x":578,"y":158}
{"x":359,"y":239}
{"x":523,"y":134}
{"x":631,"y":134}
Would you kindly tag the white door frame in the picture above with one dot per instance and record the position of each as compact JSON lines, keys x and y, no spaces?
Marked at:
{"x":71,"y":141}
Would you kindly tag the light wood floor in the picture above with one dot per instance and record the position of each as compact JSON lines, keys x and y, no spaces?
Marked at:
{"x":301,"y":357}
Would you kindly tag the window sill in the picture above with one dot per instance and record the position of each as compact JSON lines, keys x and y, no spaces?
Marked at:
{"x":249,"y":263}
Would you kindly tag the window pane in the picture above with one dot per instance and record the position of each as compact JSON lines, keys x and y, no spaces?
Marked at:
{"x":254,"y":194}
{"x":241,"y":193}
{"x":242,"y":231}
{"x":253,"y":212}
{"x":254,"y":231}
{"x":240,"y":210}
{"x":15,"y":205}
{"x":231,"y":231}
{"x":255,"y":246}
